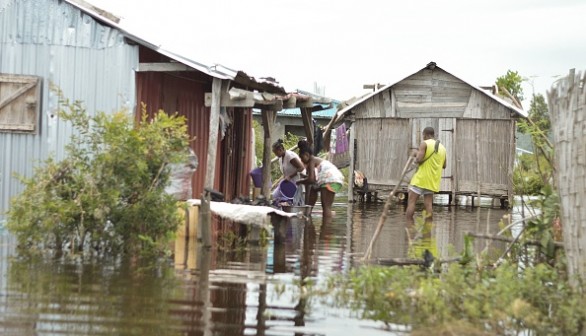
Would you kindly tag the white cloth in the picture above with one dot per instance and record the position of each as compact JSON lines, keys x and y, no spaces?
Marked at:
{"x":288,"y":169}
{"x":245,"y":214}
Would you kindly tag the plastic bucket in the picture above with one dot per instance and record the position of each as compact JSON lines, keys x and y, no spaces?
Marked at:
{"x":256,"y":175}
{"x":288,"y":189}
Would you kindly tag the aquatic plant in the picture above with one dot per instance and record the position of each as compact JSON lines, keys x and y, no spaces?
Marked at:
{"x":107,"y":194}
{"x":502,"y":301}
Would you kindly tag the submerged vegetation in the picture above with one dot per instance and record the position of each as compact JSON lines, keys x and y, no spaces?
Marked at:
{"x":467,"y":299}
{"x":108,"y":194}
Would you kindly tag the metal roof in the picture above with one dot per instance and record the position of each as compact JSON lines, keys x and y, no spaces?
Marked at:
{"x":328,"y":112}
{"x":362,"y":99}
{"x":329,"y":106}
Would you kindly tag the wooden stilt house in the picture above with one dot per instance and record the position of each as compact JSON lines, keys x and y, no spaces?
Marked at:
{"x":476,"y":127}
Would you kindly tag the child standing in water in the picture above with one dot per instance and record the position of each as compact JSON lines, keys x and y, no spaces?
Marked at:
{"x":322,"y":176}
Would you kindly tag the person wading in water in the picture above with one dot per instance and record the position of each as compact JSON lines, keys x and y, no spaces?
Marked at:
{"x":431,"y":158}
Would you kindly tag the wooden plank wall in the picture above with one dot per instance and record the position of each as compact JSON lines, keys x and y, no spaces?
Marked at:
{"x":481,"y":106}
{"x":382,"y":149}
{"x":417,"y":126}
{"x":431,"y":93}
{"x":484,"y":156}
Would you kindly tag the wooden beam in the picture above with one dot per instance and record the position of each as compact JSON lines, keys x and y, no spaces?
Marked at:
{"x":17,"y":127}
{"x":268,"y":121}
{"x":163,"y":67}
{"x":307,"y":125}
{"x":291,"y":102}
{"x":17,"y":79}
{"x":244,"y":98}
{"x":305,"y":103}
{"x":277,"y":105}
{"x":228,"y":102}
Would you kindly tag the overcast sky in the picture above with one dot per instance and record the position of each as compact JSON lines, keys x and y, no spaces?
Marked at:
{"x":343,"y":44}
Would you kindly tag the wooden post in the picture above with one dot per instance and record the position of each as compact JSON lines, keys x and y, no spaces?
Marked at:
{"x":205,"y":214}
{"x":567,"y":107}
{"x":204,"y":234}
{"x":214,"y":126}
{"x":477,"y":162}
{"x":307,"y":125}
{"x":352,"y":166}
{"x":202,"y":294}
{"x":454,"y":163}
{"x":511,"y":167}
{"x":268,"y":121}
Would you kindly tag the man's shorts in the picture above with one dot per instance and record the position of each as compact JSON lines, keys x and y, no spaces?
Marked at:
{"x":420,"y":191}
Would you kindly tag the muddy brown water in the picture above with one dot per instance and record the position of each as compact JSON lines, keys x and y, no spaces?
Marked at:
{"x":248,"y":291}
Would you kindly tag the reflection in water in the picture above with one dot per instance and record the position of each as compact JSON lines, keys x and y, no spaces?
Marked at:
{"x":255,"y":290}
{"x":443,"y":236}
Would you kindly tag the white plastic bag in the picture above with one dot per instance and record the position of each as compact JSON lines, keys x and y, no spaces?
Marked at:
{"x":180,"y":176}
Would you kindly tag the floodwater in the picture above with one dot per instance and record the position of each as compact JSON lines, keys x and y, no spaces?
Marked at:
{"x":251,"y":290}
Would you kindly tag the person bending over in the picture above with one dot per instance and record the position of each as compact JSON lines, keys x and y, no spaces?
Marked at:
{"x":323,"y":177}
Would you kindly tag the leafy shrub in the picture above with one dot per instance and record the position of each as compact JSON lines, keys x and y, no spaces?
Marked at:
{"x":527,"y":178}
{"x":502,"y":301}
{"x":108,"y":193}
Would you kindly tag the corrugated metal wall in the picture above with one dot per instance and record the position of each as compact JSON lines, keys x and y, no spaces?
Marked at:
{"x":184,"y":93}
{"x":88,"y":61}
{"x":235,"y":154}
{"x":180,"y":94}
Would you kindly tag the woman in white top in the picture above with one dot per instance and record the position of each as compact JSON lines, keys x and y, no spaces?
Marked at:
{"x":290,"y":164}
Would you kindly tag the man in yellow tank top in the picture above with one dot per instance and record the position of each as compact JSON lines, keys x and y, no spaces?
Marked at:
{"x":431,"y":157}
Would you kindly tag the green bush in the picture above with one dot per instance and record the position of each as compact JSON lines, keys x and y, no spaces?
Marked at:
{"x":108,"y":194}
{"x":527,"y":178}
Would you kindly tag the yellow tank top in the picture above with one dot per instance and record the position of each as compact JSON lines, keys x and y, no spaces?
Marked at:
{"x":429,"y":173}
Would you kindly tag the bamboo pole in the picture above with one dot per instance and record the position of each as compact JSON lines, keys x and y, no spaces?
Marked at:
{"x":383,"y":216}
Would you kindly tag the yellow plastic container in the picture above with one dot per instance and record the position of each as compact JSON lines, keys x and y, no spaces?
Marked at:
{"x":186,"y":236}
{"x":190,"y":215}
